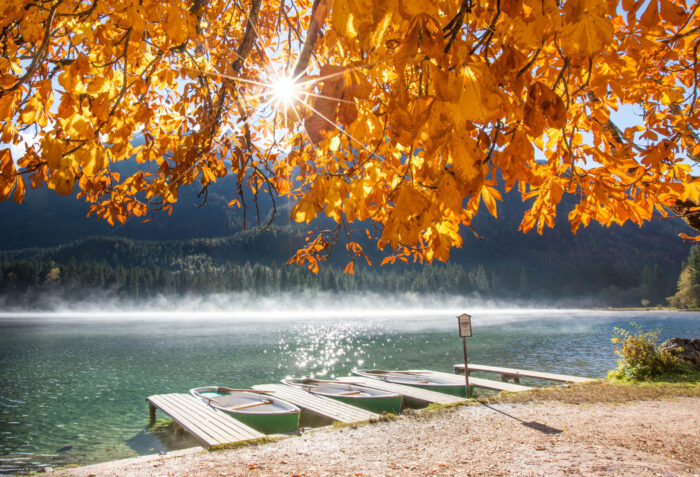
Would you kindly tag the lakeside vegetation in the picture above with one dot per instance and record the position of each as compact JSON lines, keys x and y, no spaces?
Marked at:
{"x":688,"y":294}
{"x":645,"y":371}
{"x":642,"y":359}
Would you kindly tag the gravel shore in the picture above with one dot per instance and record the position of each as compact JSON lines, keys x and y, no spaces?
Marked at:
{"x":638,"y":438}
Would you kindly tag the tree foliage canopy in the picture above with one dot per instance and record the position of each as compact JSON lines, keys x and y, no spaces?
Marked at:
{"x":400,"y":114}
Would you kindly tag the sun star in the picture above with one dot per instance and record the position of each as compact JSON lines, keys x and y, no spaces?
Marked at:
{"x":284,"y":90}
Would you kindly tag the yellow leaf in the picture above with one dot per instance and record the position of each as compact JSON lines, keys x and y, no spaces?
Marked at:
{"x":176,"y":25}
{"x":7,"y":166}
{"x":350,"y":268}
{"x":18,"y":196}
{"x":7,"y":174}
{"x":573,"y":9}
{"x":383,"y":13}
{"x":671,"y":96}
{"x":543,"y":106}
{"x":96,"y":84}
{"x":650,"y":17}
{"x":342,"y":18}
{"x":479,"y":100}
{"x":91,"y":160}
{"x":410,"y":8}
{"x":30,"y":111}
{"x":586,"y":37}
{"x":52,"y":151}
{"x":556,"y":192}
{"x":7,"y":105}
{"x":71,"y":82}
{"x":672,"y":12}
{"x":520,"y":33}
{"x":304,"y":210}
{"x":489,"y":201}
{"x":81,"y":128}
{"x":62,"y":181}
{"x":5,"y":188}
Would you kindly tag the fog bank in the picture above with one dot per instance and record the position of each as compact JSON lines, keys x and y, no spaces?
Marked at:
{"x":297,"y":306}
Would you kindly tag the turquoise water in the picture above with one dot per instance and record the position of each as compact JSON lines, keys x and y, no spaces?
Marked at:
{"x":72,"y":391}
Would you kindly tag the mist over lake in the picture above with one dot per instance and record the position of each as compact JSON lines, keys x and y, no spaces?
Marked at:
{"x":73,"y":382}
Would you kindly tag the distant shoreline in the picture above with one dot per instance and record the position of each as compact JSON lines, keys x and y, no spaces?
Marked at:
{"x":265,"y":313}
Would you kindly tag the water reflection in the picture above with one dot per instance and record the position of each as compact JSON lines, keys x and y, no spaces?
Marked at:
{"x":319,"y":350}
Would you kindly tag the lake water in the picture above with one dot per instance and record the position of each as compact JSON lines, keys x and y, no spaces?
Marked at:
{"x":73,"y":387}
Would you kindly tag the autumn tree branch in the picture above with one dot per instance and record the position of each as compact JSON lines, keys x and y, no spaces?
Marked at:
{"x":319,"y":10}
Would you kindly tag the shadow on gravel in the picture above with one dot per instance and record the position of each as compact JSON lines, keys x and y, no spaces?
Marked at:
{"x":543,"y":428}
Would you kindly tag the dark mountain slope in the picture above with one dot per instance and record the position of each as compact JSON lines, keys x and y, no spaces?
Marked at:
{"x":48,"y":220}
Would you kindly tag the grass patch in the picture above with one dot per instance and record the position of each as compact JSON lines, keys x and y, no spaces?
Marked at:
{"x":252,"y":442}
{"x":603,"y":392}
{"x":434,"y":406}
{"x":383,"y":417}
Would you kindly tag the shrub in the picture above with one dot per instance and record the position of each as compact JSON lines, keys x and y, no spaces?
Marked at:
{"x":640,"y":357}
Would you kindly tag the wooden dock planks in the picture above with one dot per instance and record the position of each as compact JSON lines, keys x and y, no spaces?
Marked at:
{"x":326,"y":407}
{"x":206,"y":424}
{"x":412,"y":392}
{"x":521,"y":373}
{"x":477,"y":382}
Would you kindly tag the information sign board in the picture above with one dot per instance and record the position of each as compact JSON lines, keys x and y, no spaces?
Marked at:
{"x":465,"y":325}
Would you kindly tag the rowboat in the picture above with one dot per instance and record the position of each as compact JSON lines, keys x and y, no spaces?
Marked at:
{"x":370,"y":399}
{"x":414,"y":378}
{"x":263,"y":413}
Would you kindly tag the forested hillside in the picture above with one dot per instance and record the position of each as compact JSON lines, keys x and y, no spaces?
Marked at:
{"x":205,"y":249}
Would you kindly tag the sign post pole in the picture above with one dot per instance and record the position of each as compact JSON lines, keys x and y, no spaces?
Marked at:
{"x":465,"y":331}
{"x":466,"y":369}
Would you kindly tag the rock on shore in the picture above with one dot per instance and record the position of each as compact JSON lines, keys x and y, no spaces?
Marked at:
{"x":685,"y":349}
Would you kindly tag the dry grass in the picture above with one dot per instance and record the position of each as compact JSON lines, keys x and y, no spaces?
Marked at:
{"x":252,"y":442}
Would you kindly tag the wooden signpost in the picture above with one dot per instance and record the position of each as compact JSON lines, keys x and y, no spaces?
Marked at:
{"x":465,"y":331}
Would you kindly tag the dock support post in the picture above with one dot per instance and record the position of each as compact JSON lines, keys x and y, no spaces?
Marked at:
{"x":151,"y":414}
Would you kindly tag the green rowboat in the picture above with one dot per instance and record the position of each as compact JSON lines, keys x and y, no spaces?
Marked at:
{"x":263,"y":413}
{"x":416,"y":379}
{"x":367,"y":398}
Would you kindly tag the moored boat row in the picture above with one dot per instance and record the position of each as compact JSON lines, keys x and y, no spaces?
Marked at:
{"x":262,"y":411}
{"x":363,"y":397}
{"x":416,"y":379}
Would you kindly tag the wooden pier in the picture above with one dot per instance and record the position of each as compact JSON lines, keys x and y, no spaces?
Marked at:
{"x":476,"y":382}
{"x":516,"y":374}
{"x":411,"y":392}
{"x":203,"y":422}
{"x":322,"y":406}
{"x":212,"y":427}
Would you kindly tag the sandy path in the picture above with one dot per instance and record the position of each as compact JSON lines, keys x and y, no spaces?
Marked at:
{"x":642,"y":438}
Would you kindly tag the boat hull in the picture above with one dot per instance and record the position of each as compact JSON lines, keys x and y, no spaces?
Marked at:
{"x":364,"y":397}
{"x":278,"y":423}
{"x":275,"y":417}
{"x":409,"y":379}
{"x":391,"y":404}
{"x":453,"y":390}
